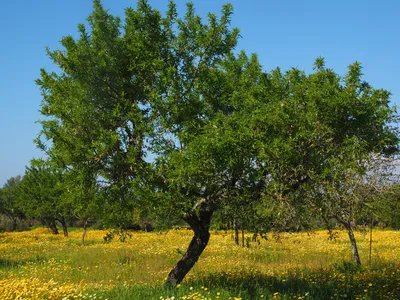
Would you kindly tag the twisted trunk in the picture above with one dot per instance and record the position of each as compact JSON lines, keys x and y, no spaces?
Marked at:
{"x":200,"y":223}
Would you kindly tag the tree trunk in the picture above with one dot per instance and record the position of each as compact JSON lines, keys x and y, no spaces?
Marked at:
{"x":353,"y":243}
{"x":370,"y":240}
{"x":200,"y":224}
{"x":84,"y":231}
{"x":236,"y":232}
{"x":242,"y":237}
{"x":64,"y":226}
{"x":14,"y":224}
{"x":52,"y":226}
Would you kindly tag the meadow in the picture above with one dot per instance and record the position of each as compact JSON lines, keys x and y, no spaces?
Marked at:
{"x":39,"y":265}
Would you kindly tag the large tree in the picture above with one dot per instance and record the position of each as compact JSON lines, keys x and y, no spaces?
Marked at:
{"x":126,"y":90}
{"x":217,"y":129}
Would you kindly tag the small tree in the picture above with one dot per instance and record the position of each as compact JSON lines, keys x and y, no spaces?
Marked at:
{"x":42,"y":196}
{"x":8,"y":200}
{"x":82,"y":193}
{"x":387,"y":206}
{"x":350,"y":194}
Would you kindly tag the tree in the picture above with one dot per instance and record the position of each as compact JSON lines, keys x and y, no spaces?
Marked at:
{"x":81,"y":192}
{"x":349,"y":194}
{"x":220,"y":130}
{"x":8,"y":200}
{"x":387,"y":206}
{"x":327,"y":131}
{"x":123,"y":88}
{"x":42,"y":196}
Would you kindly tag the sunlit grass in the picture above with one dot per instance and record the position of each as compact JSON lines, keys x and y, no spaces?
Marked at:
{"x":37,"y":264}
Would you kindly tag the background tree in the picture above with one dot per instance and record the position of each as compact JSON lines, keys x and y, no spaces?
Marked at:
{"x":8,"y":200}
{"x":42,"y":196}
{"x":81,"y":192}
{"x":320,"y":138}
{"x":351,"y":194}
{"x":387,"y":206}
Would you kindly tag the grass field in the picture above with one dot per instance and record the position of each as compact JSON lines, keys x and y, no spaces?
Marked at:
{"x":39,"y":265}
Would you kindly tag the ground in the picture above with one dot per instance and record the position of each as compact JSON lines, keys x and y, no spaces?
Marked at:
{"x":38,"y":265}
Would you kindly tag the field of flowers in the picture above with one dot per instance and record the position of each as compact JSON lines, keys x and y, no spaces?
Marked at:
{"x":39,"y":265}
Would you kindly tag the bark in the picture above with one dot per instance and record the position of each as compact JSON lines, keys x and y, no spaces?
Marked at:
{"x":148,"y":227}
{"x":14,"y":224}
{"x":370,"y":241}
{"x":200,"y":224}
{"x":64,"y":226}
{"x":52,"y":226}
{"x":85,"y":225}
{"x":353,"y":243}
{"x":236,"y":233}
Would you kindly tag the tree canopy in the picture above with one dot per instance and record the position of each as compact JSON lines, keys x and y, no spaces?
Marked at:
{"x":162,"y":112}
{"x":42,"y":195}
{"x":9,"y":200}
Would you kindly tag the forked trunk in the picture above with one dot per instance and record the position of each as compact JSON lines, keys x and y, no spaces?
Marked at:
{"x":200,"y":224}
{"x":353,"y":243}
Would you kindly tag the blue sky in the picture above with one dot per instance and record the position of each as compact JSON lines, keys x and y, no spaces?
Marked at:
{"x":284,"y":33}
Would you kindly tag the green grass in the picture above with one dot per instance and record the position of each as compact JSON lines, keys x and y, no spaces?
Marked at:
{"x":39,"y":265}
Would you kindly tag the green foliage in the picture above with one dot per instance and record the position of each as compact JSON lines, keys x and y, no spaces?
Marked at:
{"x":317,"y":135}
{"x":82,"y":194}
{"x":386,"y":207}
{"x":157,"y":114}
{"x":129,"y":89}
{"x":42,"y":194}
{"x":215,"y":123}
{"x":9,"y":201}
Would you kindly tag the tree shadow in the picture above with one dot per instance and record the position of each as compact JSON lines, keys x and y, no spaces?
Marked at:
{"x":9,"y":263}
{"x":252,"y":285}
{"x":340,"y":281}
{"x":337,"y":282}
